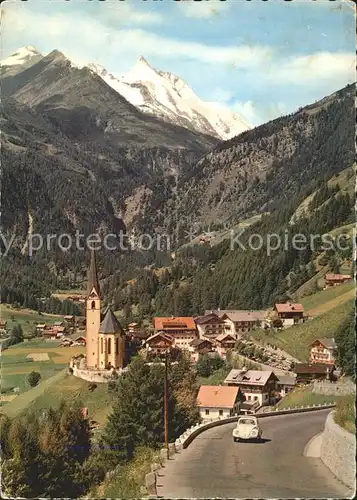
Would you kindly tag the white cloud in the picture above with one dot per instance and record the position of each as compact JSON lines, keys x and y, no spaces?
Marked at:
{"x":80,"y":38}
{"x":124,"y":13}
{"x":205,"y":9}
{"x":247,"y":110}
{"x":303,"y":70}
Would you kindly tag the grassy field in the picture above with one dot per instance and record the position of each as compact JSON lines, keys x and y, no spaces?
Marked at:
{"x":296,"y":339}
{"x":321,"y":302}
{"x":70,"y":387}
{"x":303,"y":396}
{"x":16,"y":365}
{"x":27,"y":318}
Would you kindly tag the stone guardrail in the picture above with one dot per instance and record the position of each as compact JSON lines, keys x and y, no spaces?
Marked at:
{"x":190,"y":434}
{"x":338,"y":451}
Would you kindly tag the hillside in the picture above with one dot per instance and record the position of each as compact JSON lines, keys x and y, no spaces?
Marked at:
{"x":296,"y":340}
{"x":272,"y":164}
{"x":62,"y":174}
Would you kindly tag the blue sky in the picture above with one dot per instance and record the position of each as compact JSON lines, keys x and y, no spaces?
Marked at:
{"x":262,"y":59}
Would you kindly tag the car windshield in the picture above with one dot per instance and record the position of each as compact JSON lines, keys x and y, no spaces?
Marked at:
{"x":246,"y":421}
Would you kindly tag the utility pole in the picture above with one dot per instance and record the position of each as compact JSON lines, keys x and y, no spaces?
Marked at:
{"x":166,"y":415}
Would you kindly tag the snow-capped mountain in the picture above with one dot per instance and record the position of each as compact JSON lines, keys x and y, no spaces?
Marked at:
{"x":22,"y":59}
{"x":158,"y":93}
{"x":168,"y":97}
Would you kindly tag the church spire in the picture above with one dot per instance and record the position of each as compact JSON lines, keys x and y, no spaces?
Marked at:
{"x":93,"y":281}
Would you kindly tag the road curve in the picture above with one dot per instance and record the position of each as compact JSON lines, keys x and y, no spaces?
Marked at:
{"x":214,"y":466}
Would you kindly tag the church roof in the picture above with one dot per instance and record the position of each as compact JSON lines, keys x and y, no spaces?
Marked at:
{"x":93,"y":281}
{"x":110,"y":324}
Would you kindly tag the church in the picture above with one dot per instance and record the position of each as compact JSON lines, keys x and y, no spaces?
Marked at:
{"x":106,"y":344}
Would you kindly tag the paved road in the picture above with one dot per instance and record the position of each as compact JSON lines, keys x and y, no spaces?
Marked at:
{"x":214,"y":466}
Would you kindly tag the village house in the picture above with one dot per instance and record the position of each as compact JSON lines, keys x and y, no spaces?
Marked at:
{"x":217,"y":401}
{"x":49,"y":333}
{"x":133,"y":328}
{"x":323,"y":351}
{"x":306,"y":373}
{"x":285,"y":384}
{"x":336,"y":279}
{"x":73,"y":340}
{"x":224,"y":342}
{"x":199,"y":347}
{"x":158,"y":344}
{"x":290,"y":313}
{"x":211,"y":325}
{"x":239,"y":322}
{"x":182,"y":329}
{"x":257,"y":386}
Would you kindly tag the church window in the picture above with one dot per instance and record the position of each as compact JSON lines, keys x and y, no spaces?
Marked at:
{"x":101,"y":346}
{"x":109,"y":346}
{"x":116,"y":346}
{"x":93,"y":304}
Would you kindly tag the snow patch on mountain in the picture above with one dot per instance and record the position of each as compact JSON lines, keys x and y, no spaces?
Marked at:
{"x":21,"y":56}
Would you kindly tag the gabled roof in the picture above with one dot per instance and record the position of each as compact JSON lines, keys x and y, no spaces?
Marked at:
{"x":286,"y":380}
{"x":225,"y":336}
{"x":158,"y":335}
{"x":198,"y":342}
{"x":249,"y":377}
{"x":327,"y":342}
{"x":289,"y":307}
{"x":217,"y":396}
{"x":202,"y":320}
{"x":237,"y":315}
{"x":314,"y":368}
{"x":110,"y":323}
{"x":337,"y":277}
{"x":93,"y":281}
{"x":181,"y":322}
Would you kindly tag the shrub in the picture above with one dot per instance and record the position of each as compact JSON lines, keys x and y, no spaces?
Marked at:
{"x":345,"y":413}
{"x":33,"y":378}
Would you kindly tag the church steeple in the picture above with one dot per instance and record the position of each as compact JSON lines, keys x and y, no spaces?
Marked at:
{"x":93,"y":281}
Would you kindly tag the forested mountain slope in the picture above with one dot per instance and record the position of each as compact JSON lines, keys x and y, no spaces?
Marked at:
{"x":266,"y":167}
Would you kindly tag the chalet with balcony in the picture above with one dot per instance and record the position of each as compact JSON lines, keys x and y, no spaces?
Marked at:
{"x":239,"y":322}
{"x":257,"y":386}
{"x":211,"y":325}
{"x":159,"y":343}
{"x":322,"y":351}
{"x":199,"y":347}
{"x":182,"y":329}
{"x":290,"y":313}
{"x":336,"y":279}
{"x":224,"y":342}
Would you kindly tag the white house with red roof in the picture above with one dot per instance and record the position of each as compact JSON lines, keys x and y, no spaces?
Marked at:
{"x":217,"y":401}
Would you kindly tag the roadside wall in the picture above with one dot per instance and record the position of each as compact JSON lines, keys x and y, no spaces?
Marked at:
{"x":338,"y":451}
{"x":340,"y":388}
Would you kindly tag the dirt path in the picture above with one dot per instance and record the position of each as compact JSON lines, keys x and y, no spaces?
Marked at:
{"x":331,"y":304}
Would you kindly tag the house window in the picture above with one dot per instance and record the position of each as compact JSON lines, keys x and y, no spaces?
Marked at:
{"x":255,"y":398}
{"x":116,"y":346}
{"x":93,"y":304}
{"x":206,"y":412}
{"x":101,"y":346}
{"x":109,"y":346}
{"x":220,"y":413}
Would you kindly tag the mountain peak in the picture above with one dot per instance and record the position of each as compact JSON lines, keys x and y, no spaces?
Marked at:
{"x":21,"y":56}
{"x":142,"y":60}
